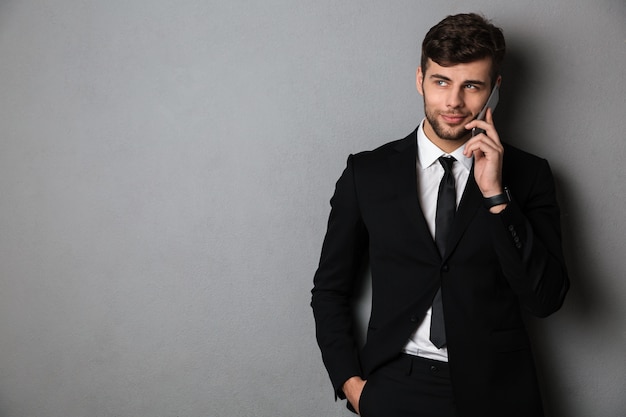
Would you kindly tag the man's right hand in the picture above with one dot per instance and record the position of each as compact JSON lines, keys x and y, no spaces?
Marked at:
{"x":353,"y":388}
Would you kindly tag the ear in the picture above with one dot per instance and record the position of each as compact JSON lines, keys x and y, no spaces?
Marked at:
{"x":499,"y":81}
{"x":419,"y":80}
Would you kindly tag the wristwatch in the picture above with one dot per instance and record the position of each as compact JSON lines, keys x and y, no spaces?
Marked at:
{"x":496,"y":200}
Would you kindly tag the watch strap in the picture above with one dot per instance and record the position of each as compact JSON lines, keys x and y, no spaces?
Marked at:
{"x":496,"y":200}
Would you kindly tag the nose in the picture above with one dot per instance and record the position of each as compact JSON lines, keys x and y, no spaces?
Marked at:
{"x":455,"y":98}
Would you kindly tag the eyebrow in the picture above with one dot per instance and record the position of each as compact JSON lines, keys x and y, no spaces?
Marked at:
{"x":444,"y":78}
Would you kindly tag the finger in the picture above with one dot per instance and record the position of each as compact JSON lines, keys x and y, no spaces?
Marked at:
{"x":489,"y":116}
{"x":492,"y":132}
{"x":481,"y":124}
{"x":482,"y":143}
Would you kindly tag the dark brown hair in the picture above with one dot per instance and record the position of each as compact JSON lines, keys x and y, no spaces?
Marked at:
{"x":464,"y":38}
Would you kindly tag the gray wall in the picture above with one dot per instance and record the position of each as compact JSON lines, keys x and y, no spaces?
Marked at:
{"x":165,"y":171}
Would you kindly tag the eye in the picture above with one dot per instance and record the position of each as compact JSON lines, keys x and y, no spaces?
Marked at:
{"x":470,"y":86}
{"x":441,"y":83}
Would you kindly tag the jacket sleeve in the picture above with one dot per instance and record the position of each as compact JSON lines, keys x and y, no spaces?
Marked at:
{"x":527,"y":238}
{"x":339,"y":267}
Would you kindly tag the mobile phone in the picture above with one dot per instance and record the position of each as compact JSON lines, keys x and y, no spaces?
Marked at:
{"x":492,"y":102}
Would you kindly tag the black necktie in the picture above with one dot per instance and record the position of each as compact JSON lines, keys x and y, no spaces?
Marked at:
{"x":446,"y":207}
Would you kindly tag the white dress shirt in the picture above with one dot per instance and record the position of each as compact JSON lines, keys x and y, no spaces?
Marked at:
{"x":429,"y":174}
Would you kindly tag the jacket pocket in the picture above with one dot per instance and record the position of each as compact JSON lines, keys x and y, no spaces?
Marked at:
{"x":362,"y":400}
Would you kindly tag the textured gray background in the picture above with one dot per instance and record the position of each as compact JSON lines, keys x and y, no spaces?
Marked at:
{"x":165,"y":171}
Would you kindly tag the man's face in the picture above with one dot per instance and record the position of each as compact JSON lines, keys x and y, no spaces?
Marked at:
{"x":453,"y":96}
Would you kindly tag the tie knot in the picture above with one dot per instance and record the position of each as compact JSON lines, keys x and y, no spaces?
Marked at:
{"x":446,"y":162}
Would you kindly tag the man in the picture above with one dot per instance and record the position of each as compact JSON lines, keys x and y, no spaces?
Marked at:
{"x":458,"y":247}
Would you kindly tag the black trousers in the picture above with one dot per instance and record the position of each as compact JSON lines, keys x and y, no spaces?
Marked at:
{"x":409,"y":386}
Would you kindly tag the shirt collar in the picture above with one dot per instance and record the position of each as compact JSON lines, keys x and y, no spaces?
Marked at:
{"x":428,"y":152}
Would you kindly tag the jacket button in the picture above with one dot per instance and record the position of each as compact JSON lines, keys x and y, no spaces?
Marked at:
{"x":413,"y":319}
{"x":445,"y":268}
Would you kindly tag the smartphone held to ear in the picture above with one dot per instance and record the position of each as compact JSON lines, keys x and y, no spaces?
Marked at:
{"x":492,"y":102}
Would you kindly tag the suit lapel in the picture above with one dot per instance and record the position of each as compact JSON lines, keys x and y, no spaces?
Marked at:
{"x":403,"y":164}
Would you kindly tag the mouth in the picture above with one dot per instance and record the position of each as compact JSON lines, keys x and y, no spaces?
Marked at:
{"x":453,"y":119}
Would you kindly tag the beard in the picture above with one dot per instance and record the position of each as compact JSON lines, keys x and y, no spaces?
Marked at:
{"x":445,"y":132}
{"x":442,"y":131}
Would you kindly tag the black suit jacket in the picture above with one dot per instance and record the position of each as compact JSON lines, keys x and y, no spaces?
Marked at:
{"x":496,"y":266}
